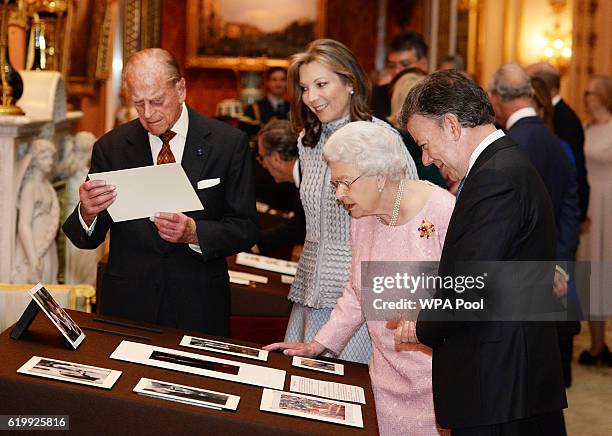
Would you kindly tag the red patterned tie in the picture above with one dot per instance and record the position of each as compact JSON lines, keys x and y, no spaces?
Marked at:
{"x":165,"y":155}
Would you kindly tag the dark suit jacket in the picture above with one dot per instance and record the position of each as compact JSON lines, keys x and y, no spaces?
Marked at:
{"x":148,"y":279}
{"x":494,"y":372}
{"x":261,"y":112}
{"x":568,"y":127}
{"x":290,"y":232}
{"x":559,"y":176}
{"x":381,"y":101}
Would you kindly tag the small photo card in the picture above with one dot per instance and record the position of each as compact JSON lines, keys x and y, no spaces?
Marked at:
{"x":186,"y":394}
{"x":318,"y":365}
{"x":224,"y":347}
{"x":58,"y":316}
{"x":70,"y":372}
{"x":305,"y":406}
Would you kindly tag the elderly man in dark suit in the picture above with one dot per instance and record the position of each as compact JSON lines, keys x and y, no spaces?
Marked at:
{"x":566,"y":126}
{"x":171,"y":269}
{"x":489,"y":377}
{"x":511,"y":94}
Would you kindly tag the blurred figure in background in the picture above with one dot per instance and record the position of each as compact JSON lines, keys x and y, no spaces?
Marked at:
{"x":596,"y":239}
{"x":406,"y":50}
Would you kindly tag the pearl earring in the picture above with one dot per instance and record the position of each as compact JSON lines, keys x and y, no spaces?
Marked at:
{"x":380,"y":190}
{"x":352,"y":91}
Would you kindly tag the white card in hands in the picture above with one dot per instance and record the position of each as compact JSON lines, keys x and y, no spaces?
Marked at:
{"x":144,"y":191}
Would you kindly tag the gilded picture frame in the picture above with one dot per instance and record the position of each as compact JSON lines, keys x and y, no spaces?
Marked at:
{"x":250,"y":35}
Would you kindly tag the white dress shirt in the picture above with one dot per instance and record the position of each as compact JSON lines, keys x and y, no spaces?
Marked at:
{"x":481,"y":147}
{"x":177,"y":145}
{"x":520,"y":114}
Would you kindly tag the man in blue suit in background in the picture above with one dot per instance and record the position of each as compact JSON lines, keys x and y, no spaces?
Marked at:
{"x":511,"y":95}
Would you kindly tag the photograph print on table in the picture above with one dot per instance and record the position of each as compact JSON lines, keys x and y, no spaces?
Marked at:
{"x":318,"y":365}
{"x":224,"y":347}
{"x":70,"y":372}
{"x":58,"y":316}
{"x":305,"y":406}
{"x":186,"y":394}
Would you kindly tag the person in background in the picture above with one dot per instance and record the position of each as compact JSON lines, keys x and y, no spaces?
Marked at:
{"x":406,"y":49}
{"x":403,"y":84}
{"x":596,"y":239}
{"x":277,"y":152}
{"x":368,"y":175}
{"x":511,"y":96}
{"x":273,"y":106}
{"x":328,"y":89}
{"x":452,"y":62}
{"x":567,"y":126}
{"x":570,"y":328}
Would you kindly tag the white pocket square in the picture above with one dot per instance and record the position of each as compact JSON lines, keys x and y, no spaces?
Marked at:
{"x":208,"y":183}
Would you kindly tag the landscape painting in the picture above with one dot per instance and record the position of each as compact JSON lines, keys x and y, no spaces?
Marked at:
{"x":250,"y":34}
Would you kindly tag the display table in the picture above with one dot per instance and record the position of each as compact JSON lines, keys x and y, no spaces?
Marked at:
{"x":95,"y":411}
{"x":259,"y":312}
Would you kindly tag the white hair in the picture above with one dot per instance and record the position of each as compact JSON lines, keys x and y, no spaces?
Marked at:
{"x":372,"y":148}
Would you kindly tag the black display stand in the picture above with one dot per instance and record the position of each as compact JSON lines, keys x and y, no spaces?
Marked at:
{"x":25,"y":321}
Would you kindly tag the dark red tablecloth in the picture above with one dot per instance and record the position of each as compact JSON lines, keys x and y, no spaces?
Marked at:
{"x":119,"y":411}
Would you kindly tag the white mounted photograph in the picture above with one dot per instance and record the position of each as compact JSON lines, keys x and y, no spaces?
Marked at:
{"x":186,"y":394}
{"x":305,"y":406}
{"x":70,"y":372}
{"x":224,"y":347}
{"x":318,"y":365}
{"x":199,"y":364}
{"x":58,"y":316}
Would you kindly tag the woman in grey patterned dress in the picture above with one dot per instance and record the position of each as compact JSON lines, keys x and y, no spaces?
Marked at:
{"x":327,"y":89}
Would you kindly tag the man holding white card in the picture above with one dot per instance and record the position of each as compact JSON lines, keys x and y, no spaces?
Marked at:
{"x":169,"y":269}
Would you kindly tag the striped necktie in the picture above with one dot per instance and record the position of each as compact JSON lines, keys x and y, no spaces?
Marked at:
{"x":460,"y":187}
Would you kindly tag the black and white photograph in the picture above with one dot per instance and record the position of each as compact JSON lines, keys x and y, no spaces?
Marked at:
{"x":224,"y":347}
{"x":198,"y":364}
{"x":186,"y":394}
{"x":318,"y":365}
{"x":69,"y":329}
{"x":195,"y":362}
{"x":70,"y":372}
{"x":305,"y":406}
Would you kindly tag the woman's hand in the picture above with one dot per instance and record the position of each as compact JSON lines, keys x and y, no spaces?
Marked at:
{"x":307,"y":349}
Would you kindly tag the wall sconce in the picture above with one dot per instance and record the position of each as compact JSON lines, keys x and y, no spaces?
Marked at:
{"x":556,"y":45}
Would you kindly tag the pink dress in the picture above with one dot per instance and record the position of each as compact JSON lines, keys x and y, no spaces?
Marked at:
{"x":401,"y":381}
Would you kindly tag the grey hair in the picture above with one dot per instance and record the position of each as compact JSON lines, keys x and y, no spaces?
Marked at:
{"x":510,"y":82}
{"x":372,"y":148}
{"x":153,"y":58}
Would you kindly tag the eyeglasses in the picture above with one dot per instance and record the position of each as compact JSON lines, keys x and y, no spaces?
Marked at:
{"x":335,"y":184}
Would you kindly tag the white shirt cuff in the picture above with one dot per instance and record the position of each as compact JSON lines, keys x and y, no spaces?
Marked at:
{"x":89,"y":230}
{"x":562,"y":272}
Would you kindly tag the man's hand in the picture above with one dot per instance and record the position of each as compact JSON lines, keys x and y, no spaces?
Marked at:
{"x":175,"y":227}
{"x":405,"y":333}
{"x":560,"y":284}
{"x":95,"y":196}
{"x":308,"y":349}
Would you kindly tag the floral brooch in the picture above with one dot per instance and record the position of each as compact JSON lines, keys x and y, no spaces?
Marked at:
{"x":426,"y":229}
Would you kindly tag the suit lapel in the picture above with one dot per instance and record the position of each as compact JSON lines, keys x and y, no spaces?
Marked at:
{"x":138,"y":151}
{"x":196,"y":150}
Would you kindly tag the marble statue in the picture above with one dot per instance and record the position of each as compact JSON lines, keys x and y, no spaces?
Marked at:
{"x":37,"y":219}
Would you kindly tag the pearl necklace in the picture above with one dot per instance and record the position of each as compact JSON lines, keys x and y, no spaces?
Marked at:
{"x":396,"y":206}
